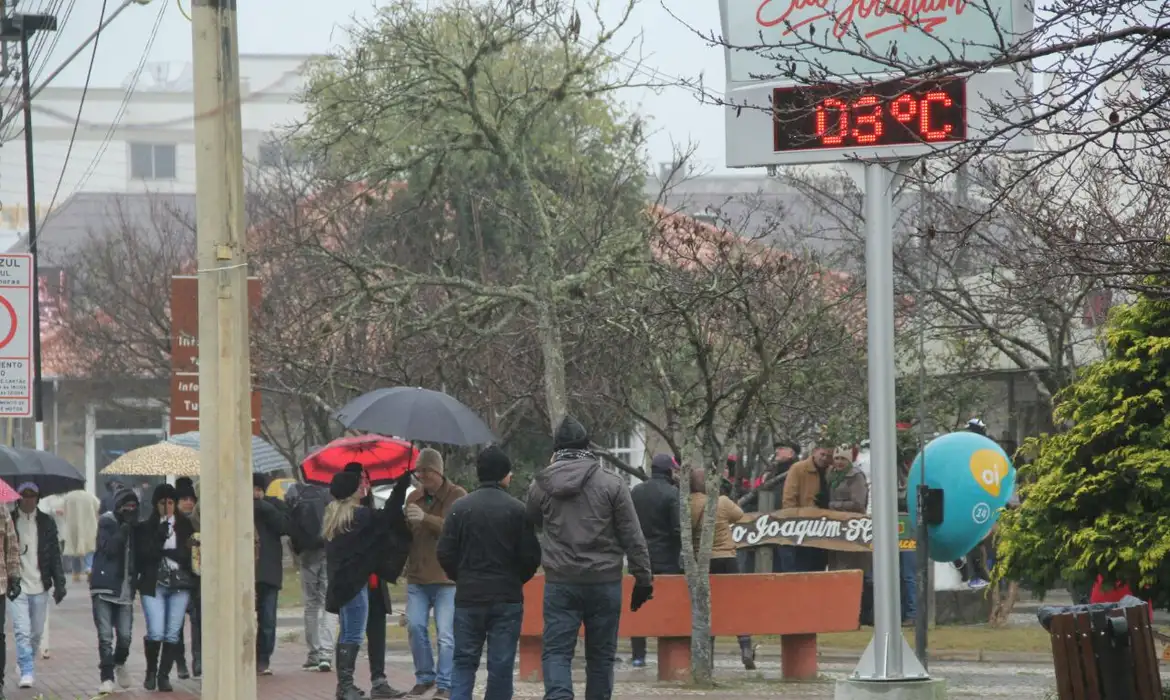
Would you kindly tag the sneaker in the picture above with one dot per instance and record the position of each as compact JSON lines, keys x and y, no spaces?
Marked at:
{"x":977,"y":583}
{"x":325,"y":666}
{"x":638,"y":663}
{"x":748,"y":657}
{"x":46,"y":653}
{"x":420,"y":689}
{"x":263,"y":670}
{"x":381,"y":688}
{"x":27,"y":680}
{"x":106,"y":688}
{"x":311,"y":665}
{"x":122,"y":677}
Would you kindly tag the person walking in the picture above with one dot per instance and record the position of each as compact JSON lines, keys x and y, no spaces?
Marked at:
{"x":9,"y":584}
{"x":165,"y":581}
{"x":656,"y":503}
{"x":54,"y":506}
{"x":306,"y":506}
{"x":489,"y":549}
{"x":112,"y":586}
{"x":357,"y":538}
{"x":270,"y":518}
{"x":41,"y":569}
{"x":427,"y":586}
{"x":188,"y":505}
{"x":723,"y":560}
{"x":588,"y":530}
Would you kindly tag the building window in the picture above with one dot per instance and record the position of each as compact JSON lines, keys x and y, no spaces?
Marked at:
{"x":630,"y":447}
{"x":152,"y":161}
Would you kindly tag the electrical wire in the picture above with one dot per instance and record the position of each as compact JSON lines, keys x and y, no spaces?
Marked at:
{"x":76,"y":122}
{"x":179,"y":4}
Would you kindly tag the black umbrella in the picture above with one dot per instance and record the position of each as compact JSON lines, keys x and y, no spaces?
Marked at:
{"x":416,"y":414}
{"x":48,"y":471}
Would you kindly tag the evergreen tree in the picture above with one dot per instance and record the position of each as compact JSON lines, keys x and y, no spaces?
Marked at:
{"x":1096,"y":500}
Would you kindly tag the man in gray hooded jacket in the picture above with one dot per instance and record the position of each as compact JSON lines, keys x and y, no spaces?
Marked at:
{"x":588,"y":527}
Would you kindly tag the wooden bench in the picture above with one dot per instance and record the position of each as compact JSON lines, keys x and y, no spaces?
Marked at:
{"x":796,"y":607}
{"x":1094,"y":663}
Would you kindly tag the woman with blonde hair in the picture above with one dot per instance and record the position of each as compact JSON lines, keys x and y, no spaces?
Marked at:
{"x":359,"y":542}
{"x":723,"y":560}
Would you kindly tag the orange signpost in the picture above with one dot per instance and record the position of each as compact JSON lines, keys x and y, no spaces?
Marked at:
{"x":185,"y":354}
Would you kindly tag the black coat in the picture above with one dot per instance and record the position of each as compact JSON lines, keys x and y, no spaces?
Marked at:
{"x":656,"y":502}
{"x":149,"y":540}
{"x":377,"y":542}
{"x":270,"y":517}
{"x":48,"y":550}
{"x":488,"y":547}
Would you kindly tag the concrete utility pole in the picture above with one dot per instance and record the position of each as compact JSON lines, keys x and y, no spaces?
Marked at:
{"x":225,"y":410}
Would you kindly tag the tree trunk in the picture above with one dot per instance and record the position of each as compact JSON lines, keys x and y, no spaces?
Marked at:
{"x":553,"y":356}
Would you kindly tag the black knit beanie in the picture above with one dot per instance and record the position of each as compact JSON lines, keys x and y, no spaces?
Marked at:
{"x":344,"y":485}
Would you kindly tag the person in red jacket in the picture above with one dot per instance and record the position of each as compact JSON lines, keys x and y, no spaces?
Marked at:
{"x":1114,"y":594}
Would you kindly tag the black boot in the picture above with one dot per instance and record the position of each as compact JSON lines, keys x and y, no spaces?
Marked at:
{"x":346,"y":660}
{"x":747,"y":653}
{"x":152,"y":651}
{"x":181,"y":661}
{"x":196,"y":664}
{"x":167,"y":658}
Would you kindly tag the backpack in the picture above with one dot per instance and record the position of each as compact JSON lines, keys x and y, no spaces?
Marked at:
{"x":306,"y":518}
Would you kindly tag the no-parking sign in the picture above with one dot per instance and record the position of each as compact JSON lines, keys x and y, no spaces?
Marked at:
{"x":16,"y":338}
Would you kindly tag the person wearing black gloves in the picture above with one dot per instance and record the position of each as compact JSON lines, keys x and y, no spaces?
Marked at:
{"x":359,"y":541}
{"x":489,"y":549}
{"x":165,"y":580}
{"x":41,"y":569}
{"x":588,"y":531}
{"x":270,"y":518}
{"x":807,"y":486}
{"x":188,"y":504}
{"x":656,"y":503}
{"x":9,"y":583}
{"x":112,"y":584}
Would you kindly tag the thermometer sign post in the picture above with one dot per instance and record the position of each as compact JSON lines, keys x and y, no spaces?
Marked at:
{"x":834,"y":99}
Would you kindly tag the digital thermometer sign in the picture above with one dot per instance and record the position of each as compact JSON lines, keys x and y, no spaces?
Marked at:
{"x":895,"y":113}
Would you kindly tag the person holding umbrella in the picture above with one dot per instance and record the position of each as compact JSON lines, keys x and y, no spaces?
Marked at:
{"x":41,"y":570}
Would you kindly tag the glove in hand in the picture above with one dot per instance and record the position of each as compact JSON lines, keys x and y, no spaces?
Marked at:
{"x":58,"y":595}
{"x":13,"y":588}
{"x":414,"y":514}
{"x":642,"y":593}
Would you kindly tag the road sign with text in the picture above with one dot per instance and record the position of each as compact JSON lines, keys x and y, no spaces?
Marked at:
{"x":16,"y":335}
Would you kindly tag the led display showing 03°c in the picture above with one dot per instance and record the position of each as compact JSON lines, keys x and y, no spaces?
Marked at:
{"x":894,"y":113}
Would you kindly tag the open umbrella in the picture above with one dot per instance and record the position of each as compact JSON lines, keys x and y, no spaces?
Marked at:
{"x":7,"y":493}
{"x":49,"y":472}
{"x":160,"y":459}
{"x":384,"y":459}
{"x":265,"y":458}
{"x":416,"y":414}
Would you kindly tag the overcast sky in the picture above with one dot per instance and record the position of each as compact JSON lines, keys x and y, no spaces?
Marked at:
{"x":304,"y":26}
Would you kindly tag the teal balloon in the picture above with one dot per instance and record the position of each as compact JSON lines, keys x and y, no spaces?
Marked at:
{"x":977,"y":479}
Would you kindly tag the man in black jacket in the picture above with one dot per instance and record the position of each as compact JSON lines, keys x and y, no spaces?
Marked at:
{"x":270,"y":517}
{"x":656,"y":502}
{"x":489,"y":549}
{"x":41,"y":569}
{"x":112,"y":584}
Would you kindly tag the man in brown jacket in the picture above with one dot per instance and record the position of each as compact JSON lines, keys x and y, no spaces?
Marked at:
{"x":428,"y":587}
{"x":807,"y":486}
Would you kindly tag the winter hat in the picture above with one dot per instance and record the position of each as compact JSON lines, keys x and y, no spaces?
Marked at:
{"x":260,"y":481}
{"x":844,"y":451}
{"x":344,"y":485}
{"x":161,"y":493}
{"x":429,"y":460}
{"x":663,"y":463}
{"x":355,"y":468}
{"x":185,"y":488}
{"x":124,"y":496}
{"x":28,"y":486}
{"x":571,"y":435}
{"x":976,"y":425}
{"x":492,"y":464}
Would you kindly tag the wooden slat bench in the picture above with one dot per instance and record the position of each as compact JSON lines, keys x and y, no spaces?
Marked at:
{"x":795,"y":607}
{"x":1092,"y":663}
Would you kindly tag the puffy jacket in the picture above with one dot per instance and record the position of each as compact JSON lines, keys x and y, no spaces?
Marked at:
{"x":656,"y":503}
{"x":587,"y":522}
{"x":48,"y":550}
{"x":727,"y":514}
{"x":849,"y":491}
{"x":488,"y":548}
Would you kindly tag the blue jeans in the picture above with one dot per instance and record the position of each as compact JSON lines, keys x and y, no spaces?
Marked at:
{"x":115,"y":624}
{"x":499,"y":626}
{"x":28,"y":624}
{"x":908,"y":572}
{"x":266,"y":597}
{"x":421,"y":599}
{"x":353,"y":618}
{"x":164,"y":612}
{"x":566,"y":607}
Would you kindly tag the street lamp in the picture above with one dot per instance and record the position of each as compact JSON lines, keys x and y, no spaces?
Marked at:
{"x":19,"y":28}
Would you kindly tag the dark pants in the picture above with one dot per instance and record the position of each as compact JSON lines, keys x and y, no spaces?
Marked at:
{"x":725,"y":565}
{"x":908,"y":574}
{"x":195,"y":612}
{"x":376,"y":634}
{"x":809,"y":559}
{"x":566,"y":607}
{"x":115,"y":624}
{"x":784,"y":559}
{"x":499,"y":626}
{"x":974,"y":566}
{"x":638,"y":644}
{"x":266,"y":597}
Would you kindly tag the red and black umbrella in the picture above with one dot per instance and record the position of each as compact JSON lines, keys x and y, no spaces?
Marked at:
{"x":384,"y":459}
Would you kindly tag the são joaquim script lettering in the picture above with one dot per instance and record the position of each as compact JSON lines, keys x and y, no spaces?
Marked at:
{"x":880,"y":16}
{"x":768,"y":529}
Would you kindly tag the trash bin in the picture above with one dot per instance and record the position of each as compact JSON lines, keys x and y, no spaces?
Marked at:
{"x":1103,"y":651}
